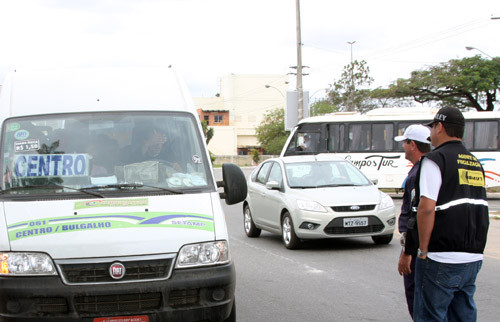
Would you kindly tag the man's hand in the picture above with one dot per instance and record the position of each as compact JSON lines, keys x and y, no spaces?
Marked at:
{"x":404,"y":264}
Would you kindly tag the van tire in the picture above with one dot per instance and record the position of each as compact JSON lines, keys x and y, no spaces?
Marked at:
{"x":232,"y":316}
{"x":248,"y":225}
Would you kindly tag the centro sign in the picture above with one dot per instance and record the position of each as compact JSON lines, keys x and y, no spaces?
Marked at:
{"x":117,"y":271}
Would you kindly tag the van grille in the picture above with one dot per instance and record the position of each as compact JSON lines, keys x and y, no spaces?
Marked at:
{"x":100,"y":304}
{"x":96,"y":272}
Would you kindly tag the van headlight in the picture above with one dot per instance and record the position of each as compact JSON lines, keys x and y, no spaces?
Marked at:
{"x":203,"y":254}
{"x":386,"y":202}
{"x":22,"y":264}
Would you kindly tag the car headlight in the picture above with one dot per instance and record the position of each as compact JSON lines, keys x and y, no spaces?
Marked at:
{"x":310,"y":206}
{"x":203,"y":254}
{"x":19,"y":264}
{"x":386,"y":202}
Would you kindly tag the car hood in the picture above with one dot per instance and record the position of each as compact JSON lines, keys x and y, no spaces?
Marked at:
{"x":109,"y":227}
{"x":341,"y":196}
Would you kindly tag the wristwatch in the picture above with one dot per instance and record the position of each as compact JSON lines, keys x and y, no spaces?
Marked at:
{"x":421,"y":253}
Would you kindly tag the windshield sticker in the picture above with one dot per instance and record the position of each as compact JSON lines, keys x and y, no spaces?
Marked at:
{"x":50,"y":165}
{"x":111,"y":203}
{"x":49,"y":226}
{"x":26,"y":145}
{"x":21,"y":135}
{"x":196,"y":159}
{"x":13,"y":127}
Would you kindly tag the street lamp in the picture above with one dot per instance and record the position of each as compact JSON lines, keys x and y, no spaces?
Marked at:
{"x":474,"y":48}
{"x":269,"y":86}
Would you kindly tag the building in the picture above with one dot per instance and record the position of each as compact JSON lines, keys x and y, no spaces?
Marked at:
{"x":239,"y":109}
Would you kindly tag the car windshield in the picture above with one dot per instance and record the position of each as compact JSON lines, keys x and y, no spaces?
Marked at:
{"x":324,"y":174}
{"x":90,"y":152}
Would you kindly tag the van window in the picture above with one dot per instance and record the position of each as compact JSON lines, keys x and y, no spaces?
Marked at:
{"x":77,"y":151}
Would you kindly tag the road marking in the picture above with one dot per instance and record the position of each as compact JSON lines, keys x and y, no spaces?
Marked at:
{"x":309,"y":269}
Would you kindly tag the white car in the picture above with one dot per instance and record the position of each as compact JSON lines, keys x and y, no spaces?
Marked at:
{"x":313,"y":197}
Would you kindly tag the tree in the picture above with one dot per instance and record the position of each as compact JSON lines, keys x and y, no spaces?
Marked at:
{"x":271,"y":132}
{"x":322,"y":107}
{"x":468,"y":82}
{"x":207,"y":131}
{"x":350,"y":92}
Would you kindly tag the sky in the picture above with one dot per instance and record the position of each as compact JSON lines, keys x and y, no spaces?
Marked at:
{"x":207,"y":39}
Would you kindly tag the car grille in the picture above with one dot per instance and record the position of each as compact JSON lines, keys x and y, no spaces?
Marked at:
{"x":118,"y":303}
{"x":96,"y":272}
{"x":353,"y":208}
{"x":336,"y":227}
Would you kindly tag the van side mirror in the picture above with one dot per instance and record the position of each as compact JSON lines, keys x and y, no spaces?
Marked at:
{"x":234,"y":184}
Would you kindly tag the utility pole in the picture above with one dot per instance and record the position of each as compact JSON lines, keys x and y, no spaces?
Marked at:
{"x":351,"y":92}
{"x":300,"y":93}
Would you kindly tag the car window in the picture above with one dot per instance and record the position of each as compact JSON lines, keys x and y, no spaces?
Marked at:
{"x":262,"y":175}
{"x":275,"y":174}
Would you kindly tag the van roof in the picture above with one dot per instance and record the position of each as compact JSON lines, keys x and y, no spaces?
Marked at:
{"x":94,"y":89}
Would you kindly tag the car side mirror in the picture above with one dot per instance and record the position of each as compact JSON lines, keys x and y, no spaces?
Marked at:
{"x":234,"y":184}
{"x":374,"y":181}
{"x":273,"y":185}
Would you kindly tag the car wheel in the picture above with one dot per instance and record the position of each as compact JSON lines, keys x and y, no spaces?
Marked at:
{"x":382,"y":239}
{"x":290,"y":240}
{"x":248,"y":223}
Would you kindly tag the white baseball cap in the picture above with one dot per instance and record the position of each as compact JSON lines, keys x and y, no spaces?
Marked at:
{"x":415,"y":132}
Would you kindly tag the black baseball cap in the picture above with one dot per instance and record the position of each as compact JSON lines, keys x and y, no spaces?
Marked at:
{"x":448,"y":115}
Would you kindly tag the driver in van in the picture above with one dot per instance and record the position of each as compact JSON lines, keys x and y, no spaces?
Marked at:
{"x":148,"y":143}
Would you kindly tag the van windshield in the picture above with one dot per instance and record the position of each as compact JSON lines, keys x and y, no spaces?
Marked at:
{"x":108,"y":150}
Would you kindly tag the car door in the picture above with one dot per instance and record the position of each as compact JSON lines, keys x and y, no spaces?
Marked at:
{"x":273,"y":201}
{"x":257,"y":192}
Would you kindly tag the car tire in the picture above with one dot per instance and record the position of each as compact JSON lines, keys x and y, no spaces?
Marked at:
{"x":382,"y":239}
{"x":248,"y":225}
{"x":288,"y":235}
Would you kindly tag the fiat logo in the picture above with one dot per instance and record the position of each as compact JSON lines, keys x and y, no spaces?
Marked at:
{"x":355,"y":208}
{"x":117,"y":271}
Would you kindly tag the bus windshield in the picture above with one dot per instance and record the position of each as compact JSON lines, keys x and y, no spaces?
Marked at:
{"x":67,"y":153}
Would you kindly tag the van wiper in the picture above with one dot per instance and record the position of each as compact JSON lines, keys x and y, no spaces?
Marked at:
{"x":129,"y":186}
{"x":53,"y":186}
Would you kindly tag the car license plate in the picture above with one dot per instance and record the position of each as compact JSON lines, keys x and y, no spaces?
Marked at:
{"x":137,"y":318}
{"x":356,"y":222}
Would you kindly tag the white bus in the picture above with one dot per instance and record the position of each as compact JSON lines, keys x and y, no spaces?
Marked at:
{"x":367,"y":140}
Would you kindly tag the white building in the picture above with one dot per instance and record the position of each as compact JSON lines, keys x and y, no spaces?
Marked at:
{"x":239,"y":110}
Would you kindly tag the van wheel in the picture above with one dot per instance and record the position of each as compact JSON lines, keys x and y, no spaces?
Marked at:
{"x":232,"y":316}
{"x":248,"y":223}
{"x":382,"y":239}
{"x":290,"y":240}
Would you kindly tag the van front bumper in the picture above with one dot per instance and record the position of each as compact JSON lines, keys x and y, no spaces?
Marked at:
{"x":195,"y":294}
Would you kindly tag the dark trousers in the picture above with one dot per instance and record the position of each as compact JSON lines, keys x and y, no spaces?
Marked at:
{"x":409,"y":282}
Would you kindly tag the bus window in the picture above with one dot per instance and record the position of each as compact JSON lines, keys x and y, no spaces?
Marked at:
{"x":467,"y":140}
{"x":486,"y":135}
{"x":382,"y":137}
{"x":336,"y":137}
{"x":359,"y":137}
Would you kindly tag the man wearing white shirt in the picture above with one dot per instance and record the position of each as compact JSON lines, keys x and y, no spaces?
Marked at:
{"x":452,"y":221}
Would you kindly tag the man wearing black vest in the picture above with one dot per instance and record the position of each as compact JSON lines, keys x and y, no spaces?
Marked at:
{"x":452,"y":222}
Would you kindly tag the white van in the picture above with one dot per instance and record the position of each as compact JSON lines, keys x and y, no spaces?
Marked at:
{"x":109,"y":207}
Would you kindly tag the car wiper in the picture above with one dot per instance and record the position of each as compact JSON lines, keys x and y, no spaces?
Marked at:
{"x":303,"y":187}
{"x":129,"y":186}
{"x":337,"y":185}
{"x":52,"y":186}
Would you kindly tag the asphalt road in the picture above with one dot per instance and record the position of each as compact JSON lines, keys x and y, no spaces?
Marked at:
{"x":335,"y":280}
